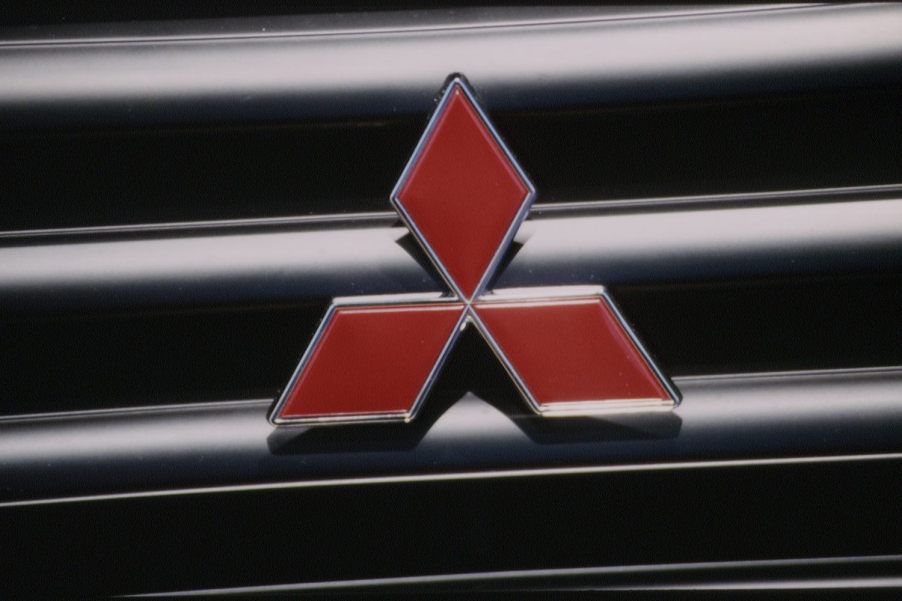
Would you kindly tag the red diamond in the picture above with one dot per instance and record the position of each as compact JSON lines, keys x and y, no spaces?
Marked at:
{"x":571,"y":350}
{"x":372,"y":360}
{"x":462,"y":194}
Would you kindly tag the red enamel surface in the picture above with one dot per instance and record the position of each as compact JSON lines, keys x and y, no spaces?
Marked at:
{"x":463,"y":193}
{"x":570,"y":350}
{"x":372,"y":359}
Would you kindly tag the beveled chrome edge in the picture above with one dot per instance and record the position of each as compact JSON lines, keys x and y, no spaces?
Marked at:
{"x":613,"y":407}
{"x":573,"y":408}
{"x":464,"y":475}
{"x":381,"y":300}
{"x":394,"y":299}
{"x":299,"y":26}
{"x":725,"y":200}
{"x":458,"y":81}
{"x":341,"y":419}
{"x":538,"y":293}
{"x":539,"y":210}
{"x":223,"y":405}
{"x":793,"y":374}
{"x":544,"y":574}
{"x":325,"y":221}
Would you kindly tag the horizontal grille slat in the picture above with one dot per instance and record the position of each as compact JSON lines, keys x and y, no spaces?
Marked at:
{"x":137,"y":318}
{"x":535,"y":66}
{"x":731,"y":418}
{"x":290,"y":264}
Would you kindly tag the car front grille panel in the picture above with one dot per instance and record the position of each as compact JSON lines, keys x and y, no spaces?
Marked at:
{"x":155,"y":255}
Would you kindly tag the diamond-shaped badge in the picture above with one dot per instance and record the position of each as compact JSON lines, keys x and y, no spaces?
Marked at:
{"x":567,"y":348}
{"x":461,"y":194}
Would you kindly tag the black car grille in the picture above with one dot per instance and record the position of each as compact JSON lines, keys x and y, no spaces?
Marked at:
{"x":152,"y":254}
{"x":182,"y":200}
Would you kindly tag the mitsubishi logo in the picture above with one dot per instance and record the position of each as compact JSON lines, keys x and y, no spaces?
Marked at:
{"x":463,"y":197}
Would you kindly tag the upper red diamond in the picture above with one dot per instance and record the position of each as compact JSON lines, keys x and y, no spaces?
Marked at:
{"x":462,"y":193}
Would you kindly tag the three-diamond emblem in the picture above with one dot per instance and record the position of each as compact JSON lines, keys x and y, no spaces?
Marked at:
{"x":463,"y":196}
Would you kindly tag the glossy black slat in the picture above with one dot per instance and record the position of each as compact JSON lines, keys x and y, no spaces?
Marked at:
{"x":803,"y":578}
{"x":106,"y":22}
{"x":621,"y":127}
{"x":560,"y":65}
{"x":814,"y":576}
{"x":729,"y":418}
{"x":294,"y":263}
{"x":143,"y":319}
{"x":148,"y":175}
{"x":290,"y":536}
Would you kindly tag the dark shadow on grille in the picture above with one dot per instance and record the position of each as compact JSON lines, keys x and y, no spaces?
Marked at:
{"x":509,"y":254}
{"x":413,"y":248}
